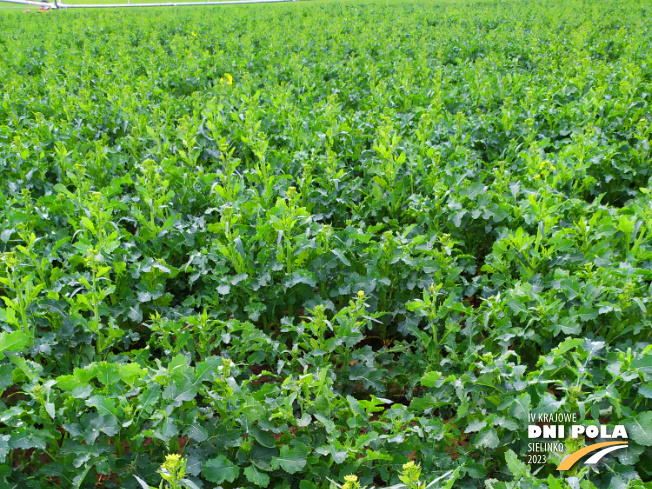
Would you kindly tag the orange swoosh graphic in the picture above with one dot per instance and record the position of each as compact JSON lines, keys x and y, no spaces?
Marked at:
{"x":575,"y":456}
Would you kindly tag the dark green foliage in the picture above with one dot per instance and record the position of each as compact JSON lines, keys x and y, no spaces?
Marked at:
{"x":295,"y":242}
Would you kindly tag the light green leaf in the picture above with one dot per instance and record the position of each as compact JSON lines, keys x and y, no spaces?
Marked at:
{"x":429,"y":379}
{"x":197,"y":433}
{"x":13,"y":341}
{"x":220,"y":469}
{"x":645,"y":390}
{"x":255,"y":477}
{"x":422,"y":403}
{"x":639,"y":429}
{"x":515,"y":466}
{"x":567,"y":345}
{"x":292,"y":461}
{"x":521,"y":407}
{"x":4,"y":447}
{"x":487,"y":438}
{"x":476,"y":425}
{"x":341,"y":256}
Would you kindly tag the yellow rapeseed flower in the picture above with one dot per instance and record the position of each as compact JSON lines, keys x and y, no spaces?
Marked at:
{"x":351,"y":482}
{"x":228,"y":79}
{"x":172,"y":461}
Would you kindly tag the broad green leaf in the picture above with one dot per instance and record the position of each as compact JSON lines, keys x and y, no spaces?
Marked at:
{"x":341,"y":256}
{"x":220,"y":469}
{"x":554,"y":483}
{"x":4,"y":447}
{"x":290,"y":460}
{"x":197,"y":432}
{"x":521,"y":407}
{"x":131,"y":372}
{"x":26,"y":438}
{"x":487,"y":438}
{"x":265,"y":438}
{"x":422,"y":403}
{"x":475,"y":470}
{"x":107,"y":373}
{"x":205,"y":369}
{"x":135,"y":314}
{"x":6,"y":376}
{"x":429,"y":379}
{"x":516,"y":466}
{"x":473,"y":190}
{"x":300,"y":278}
{"x":13,"y":341}
{"x":166,"y":430}
{"x":255,"y":477}
{"x":476,"y":425}
{"x":645,"y":390}
{"x":639,"y":428}
{"x":567,"y":345}
{"x":149,"y":399}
